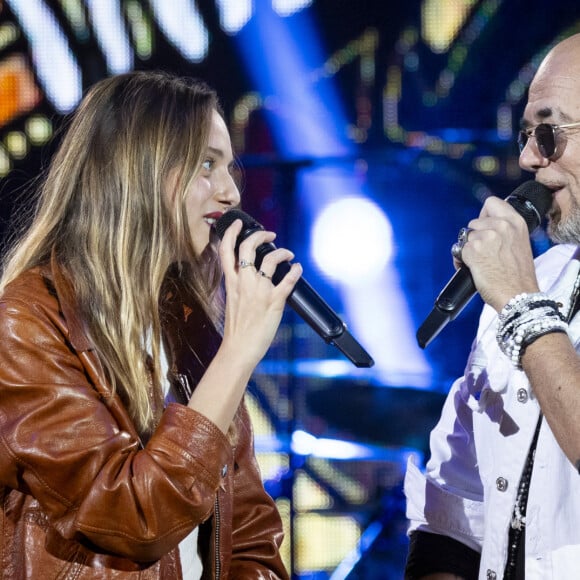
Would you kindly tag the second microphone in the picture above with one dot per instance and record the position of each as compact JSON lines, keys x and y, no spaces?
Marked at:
{"x":531,"y":200}
{"x":303,"y":299}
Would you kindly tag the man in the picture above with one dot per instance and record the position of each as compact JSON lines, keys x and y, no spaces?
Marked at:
{"x":501,"y":494}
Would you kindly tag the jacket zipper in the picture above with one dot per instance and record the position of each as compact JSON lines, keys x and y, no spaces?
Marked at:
{"x":217,"y":537}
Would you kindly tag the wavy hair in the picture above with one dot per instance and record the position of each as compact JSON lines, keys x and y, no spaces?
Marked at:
{"x":104,"y":212}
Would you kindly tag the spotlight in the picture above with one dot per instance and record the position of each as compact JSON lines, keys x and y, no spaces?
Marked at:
{"x":352,"y":240}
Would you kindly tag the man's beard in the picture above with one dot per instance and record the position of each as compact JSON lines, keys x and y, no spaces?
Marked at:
{"x":565,"y":231}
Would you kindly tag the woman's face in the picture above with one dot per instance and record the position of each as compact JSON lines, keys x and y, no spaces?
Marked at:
{"x":214,"y":190}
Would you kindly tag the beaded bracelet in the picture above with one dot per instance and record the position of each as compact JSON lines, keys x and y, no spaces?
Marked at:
{"x":525,"y":302}
{"x":514,"y":347}
{"x":520,"y":319}
{"x":524,"y":319}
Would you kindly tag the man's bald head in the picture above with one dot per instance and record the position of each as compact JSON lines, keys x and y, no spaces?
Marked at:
{"x":562,"y":59}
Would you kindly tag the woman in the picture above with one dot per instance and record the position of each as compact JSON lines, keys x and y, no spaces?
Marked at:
{"x":126,"y":449}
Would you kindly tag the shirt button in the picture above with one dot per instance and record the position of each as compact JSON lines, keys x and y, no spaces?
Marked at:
{"x":224,"y":470}
{"x":491,"y":575}
{"x":522,"y":396}
{"x":501,"y":484}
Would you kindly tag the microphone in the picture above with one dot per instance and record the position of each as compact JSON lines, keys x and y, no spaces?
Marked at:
{"x":303,"y":298}
{"x":531,"y":200}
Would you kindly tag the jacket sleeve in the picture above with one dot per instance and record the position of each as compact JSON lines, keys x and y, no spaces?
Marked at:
{"x":60,"y":443}
{"x":257,"y":527}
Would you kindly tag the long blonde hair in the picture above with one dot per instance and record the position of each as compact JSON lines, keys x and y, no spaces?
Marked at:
{"x":103,"y":210}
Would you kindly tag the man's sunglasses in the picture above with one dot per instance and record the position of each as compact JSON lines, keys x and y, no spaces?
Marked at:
{"x":546,"y":136}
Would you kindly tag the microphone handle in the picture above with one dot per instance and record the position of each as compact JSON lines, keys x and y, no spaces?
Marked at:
{"x":457,"y":293}
{"x":450,"y":302}
{"x":322,"y":318}
{"x":308,"y":304}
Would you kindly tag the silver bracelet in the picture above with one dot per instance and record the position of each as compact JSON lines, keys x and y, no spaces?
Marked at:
{"x":524,"y":319}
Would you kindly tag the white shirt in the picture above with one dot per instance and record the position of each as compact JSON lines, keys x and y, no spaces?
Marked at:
{"x":479,"y":447}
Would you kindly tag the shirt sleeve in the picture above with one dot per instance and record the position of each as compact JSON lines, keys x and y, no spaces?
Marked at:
{"x":447,"y":498}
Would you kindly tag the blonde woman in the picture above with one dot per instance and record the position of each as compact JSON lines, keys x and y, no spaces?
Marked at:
{"x":125,"y":447}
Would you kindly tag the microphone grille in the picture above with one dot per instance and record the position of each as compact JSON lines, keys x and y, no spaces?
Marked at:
{"x":531,"y":200}
{"x":223,"y":223}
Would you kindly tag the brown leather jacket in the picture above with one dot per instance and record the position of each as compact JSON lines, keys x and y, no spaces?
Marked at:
{"x":82,"y":496}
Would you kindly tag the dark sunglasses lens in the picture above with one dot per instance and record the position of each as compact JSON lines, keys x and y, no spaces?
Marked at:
{"x":545,"y":139}
{"x":522,"y":140}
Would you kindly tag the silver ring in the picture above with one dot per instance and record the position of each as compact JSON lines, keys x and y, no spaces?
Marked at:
{"x":463,"y":236}
{"x":457,"y":247}
{"x":245,"y":264}
{"x":264,"y":275}
{"x":456,"y":250}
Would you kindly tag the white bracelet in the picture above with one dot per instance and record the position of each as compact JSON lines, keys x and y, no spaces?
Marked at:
{"x":524,"y":319}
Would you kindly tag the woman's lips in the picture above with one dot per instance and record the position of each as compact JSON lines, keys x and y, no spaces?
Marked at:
{"x":213,"y":217}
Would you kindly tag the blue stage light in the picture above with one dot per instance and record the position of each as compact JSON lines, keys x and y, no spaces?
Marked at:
{"x":352,"y":240}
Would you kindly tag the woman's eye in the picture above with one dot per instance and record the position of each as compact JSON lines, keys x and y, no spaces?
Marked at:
{"x":207,"y":164}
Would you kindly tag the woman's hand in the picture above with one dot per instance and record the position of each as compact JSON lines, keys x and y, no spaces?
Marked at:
{"x":254,"y":306}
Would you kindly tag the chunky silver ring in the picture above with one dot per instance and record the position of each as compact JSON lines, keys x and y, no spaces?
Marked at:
{"x":457,"y":247}
{"x":264,"y":275}
{"x":456,"y":250}
{"x":245,"y":264}
{"x":463,"y":236}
